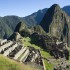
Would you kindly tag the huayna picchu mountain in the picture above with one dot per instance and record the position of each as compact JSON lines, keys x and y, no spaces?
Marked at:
{"x":57,"y":23}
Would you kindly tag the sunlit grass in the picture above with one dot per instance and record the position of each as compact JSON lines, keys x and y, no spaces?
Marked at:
{"x":45,"y":54}
{"x":26,"y":42}
{"x":8,"y":64}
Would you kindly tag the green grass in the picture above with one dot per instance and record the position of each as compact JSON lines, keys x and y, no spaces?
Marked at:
{"x":48,"y":65}
{"x":26,"y":42}
{"x":8,"y":64}
{"x":45,"y":54}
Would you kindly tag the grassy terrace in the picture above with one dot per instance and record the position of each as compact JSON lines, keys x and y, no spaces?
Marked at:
{"x":26,"y":42}
{"x":21,"y":55}
{"x":8,"y":64}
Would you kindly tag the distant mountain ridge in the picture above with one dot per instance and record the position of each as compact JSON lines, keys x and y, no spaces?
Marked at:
{"x":67,"y":9}
{"x":8,"y":23}
{"x":36,"y":17}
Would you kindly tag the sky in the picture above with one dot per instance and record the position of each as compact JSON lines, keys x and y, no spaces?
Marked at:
{"x":24,"y":8}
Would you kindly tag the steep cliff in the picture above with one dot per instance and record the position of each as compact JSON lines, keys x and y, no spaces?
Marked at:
{"x":56,"y":22}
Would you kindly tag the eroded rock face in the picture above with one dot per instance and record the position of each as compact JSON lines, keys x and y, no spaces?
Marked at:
{"x":57,"y":23}
{"x":15,"y":36}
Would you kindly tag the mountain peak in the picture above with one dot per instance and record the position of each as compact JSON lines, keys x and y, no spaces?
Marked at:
{"x":20,"y":26}
{"x":55,"y":7}
{"x":56,"y":23}
{"x":52,"y":12}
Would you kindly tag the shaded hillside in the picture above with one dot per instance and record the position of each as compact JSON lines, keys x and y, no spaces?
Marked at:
{"x":11,"y":21}
{"x":38,"y":29}
{"x":35,"y":18}
{"x":56,"y":23}
{"x":67,"y":9}
{"x":15,"y":36}
{"x":7,"y":25}
{"x":5,"y":30}
{"x":22,"y":29}
{"x":20,"y":26}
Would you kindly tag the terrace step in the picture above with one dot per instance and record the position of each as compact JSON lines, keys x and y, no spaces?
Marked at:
{"x":19,"y":53}
{"x":23,"y":58}
{"x":6,"y":53}
{"x":3,"y":41}
{"x":5,"y":45}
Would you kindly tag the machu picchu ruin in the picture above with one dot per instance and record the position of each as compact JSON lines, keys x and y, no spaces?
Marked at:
{"x":20,"y":53}
{"x":37,"y":41}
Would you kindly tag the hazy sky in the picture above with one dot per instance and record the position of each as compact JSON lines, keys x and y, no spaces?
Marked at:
{"x":25,"y":7}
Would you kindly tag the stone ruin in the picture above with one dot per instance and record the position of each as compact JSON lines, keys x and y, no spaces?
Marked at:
{"x":34,"y":56}
{"x":20,"y":53}
{"x":55,"y":47}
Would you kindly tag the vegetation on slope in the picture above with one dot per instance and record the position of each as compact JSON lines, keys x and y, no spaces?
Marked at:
{"x":49,"y":61}
{"x":26,"y":42}
{"x":48,"y":65}
{"x":5,"y":31}
{"x":39,"y":29}
{"x":7,"y":25}
{"x":8,"y":64}
{"x":33,"y":19}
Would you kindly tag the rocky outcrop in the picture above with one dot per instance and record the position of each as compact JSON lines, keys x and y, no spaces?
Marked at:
{"x":34,"y":56}
{"x":15,"y":36}
{"x":27,"y":31}
{"x":55,"y":47}
{"x":20,"y":26}
{"x":20,"y":30}
{"x":57,"y":23}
